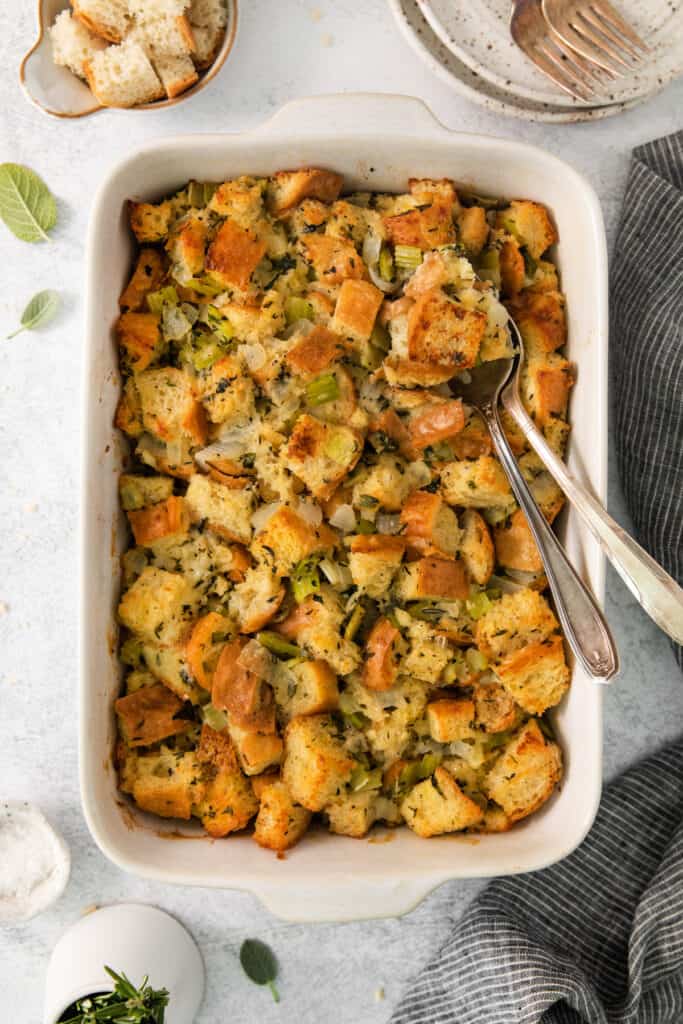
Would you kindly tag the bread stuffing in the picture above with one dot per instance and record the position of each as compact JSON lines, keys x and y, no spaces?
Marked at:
{"x":332,"y":608}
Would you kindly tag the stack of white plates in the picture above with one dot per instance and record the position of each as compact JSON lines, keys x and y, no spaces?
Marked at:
{"x":470,"y":46}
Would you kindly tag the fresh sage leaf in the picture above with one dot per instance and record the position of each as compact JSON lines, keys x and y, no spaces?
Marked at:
{"x":27,"y":206}
{"x":259,"y":964}
{"x":39,"y":311}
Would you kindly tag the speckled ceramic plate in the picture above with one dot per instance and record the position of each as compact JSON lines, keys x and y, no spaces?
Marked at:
{"x":479,"y":36}
{"x":471,"y":84}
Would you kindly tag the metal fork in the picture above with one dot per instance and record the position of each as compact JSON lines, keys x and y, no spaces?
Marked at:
{"x":596,"y":31}
{"x":580,"y":78}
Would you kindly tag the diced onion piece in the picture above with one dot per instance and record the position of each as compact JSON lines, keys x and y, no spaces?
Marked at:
{"x":338,"y":575}
{"x":344,"y":519}
{"x":263,"y":513}
{"x":254,"y":355}
{"x":310,"y":512}
{"x":255,"y":658}
{"x":388,"y":523}
{"x":372,"y":247}
{"x":174,"y":324}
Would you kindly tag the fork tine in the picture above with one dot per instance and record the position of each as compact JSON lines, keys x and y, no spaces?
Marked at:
{"x":602,"y":26}
{"x":553,"y":67}
{"x":578,"y":65}
{"x":582,"y":37}
{"x":608,"y":13}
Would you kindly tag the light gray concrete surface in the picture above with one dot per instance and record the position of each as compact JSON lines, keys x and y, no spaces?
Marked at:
{"x":284,"y":50}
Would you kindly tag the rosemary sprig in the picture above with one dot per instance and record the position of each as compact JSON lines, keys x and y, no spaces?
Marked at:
{"x":126,"y":1004}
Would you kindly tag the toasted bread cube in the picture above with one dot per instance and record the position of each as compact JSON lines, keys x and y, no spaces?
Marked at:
{"x":428,"y":654}
{"x":241,"y":692}
{"x":72,"y":43}
{"x":518,"y":619}
{"x":444,"y":332}
{"x":541,"y":320}
{"x":476,"y":483}
{"x":515,"y":546}
{"x":431,"y":527}
{"x":128,"y":417}
{"x":123,"y":76}
{"x":316,"y":766}
{"x":155,"y":605}
{"x":473,"y":229}
{"x":381,"y":656}
{"x":473,"y":440}
{"x":255,"y":321}
{"x":169,"y":408}
{"x":374,"y":560}
{"x":512,"y":267}
{"x":529,"y":223}
{"x":428,"y":190}
{"x":226,"y":510}
{"x":545,"y":279}
{"x":438,"y":805}
{"x":286,"y":539}
{"x":138,"y":678}
{"x":316,"y":625}
{"x":287,"y":188}
{"x":167,"y":784}
{"x":107,"y":19}
{"x":450,"y":720}
{"x":547,"y":495}
{"x":205,"y":644}
{"x":170,"y":666}
{"x":141,"y":491}
{"x":228,"y":804}
{"x":239,"y":198}
{"x":476,"y":547}
{"x":427,"y":227}
{"x":314,"y":352}
{"x":177,"y":73}
{"x":410,"y":373}
{"x":556,"y":433}
{"x":139,"y":339}
{"x":544,"y":385}
{"x":387,"y":482}
{"x":150,"y":221}
{"x":166,"y":519}
{"x":316,"y":689}
{"x":322,"y":454}
{"x":257,"y":750}
{"x":356,"y":310}
{"x":496,"y":711}
{"x":280,"y":822}
{"x":147,"y":276}
{"x":440,"y":421}
{"x":149,"y":715}
{"x":536,"y":676}
{"x":352,"y":814}
{"x":234,"y":254}
{"x":228,"y":392}
{"x":259,"y":783}
{"x":333,"y":259}
{"x":208,"y":19}
{"x":186,"y":246}
{"x":256,"y":599}
{"x":433,"y":579}
{"x":526,"y":773}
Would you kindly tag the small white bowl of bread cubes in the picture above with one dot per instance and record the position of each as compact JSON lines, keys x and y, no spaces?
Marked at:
{"x":126,"y":53}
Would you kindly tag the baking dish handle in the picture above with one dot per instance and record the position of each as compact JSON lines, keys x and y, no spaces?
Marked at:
{"x":378,"y":113}
{"x":359,"y":900}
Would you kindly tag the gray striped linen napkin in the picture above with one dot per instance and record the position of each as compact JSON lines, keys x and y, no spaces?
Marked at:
{"x":598,"y":938}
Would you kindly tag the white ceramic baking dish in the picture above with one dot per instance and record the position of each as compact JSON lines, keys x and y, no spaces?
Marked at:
{"x":377,"y":142}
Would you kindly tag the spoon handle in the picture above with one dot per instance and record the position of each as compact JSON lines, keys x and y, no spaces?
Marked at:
{"x":582,"y":621}
{"x":653,"y":588}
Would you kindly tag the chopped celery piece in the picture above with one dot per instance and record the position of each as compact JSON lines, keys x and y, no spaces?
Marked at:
{"x":297,"y":308}
{"x":425,"y":611}
{"x":386,"y":264}
{"x":489,"y":267}
{"x":493,"y":593}
{"x":439,"y":452}
{"x":305,"y":578}
{"x":164,"y":296}
{"x":347,"y":704}
{"x":353,"y":625}
{"x":358,"y":720}
{"x":214,"y":718}
{"x":407,"y":257}
{"x":205,"y":286}
{"x":428,"y":765}
{"x":408,"y":775}
{"x":380,"y":338}
{"x":363,"y":779}
{"x":476,"y":661}
{"x":132,"y":652}
{"x":207,"y":354}
{"x":199,"y":193}
{"x":477,"y":605}
{"x":323,"y":389}
{"x":530,"y":264}
{"x":340,"y":447}
{"x":277,"y":644}
{"x":219,"y":325}
{"x":365,"y":526}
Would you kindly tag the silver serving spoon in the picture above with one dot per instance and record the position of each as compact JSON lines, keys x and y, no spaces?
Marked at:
{"x":582,"y":621}
{"x":657,"y":592}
